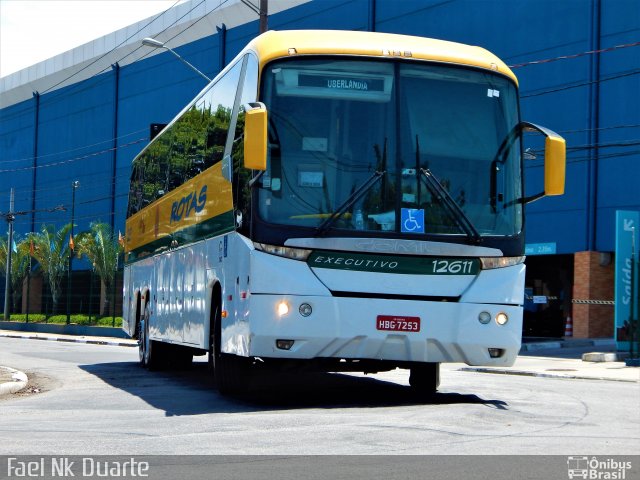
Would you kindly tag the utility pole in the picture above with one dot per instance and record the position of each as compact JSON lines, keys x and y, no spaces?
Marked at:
{"x":264,"y":12}
{"x":10,"y":216}
{"x":75,"y":184}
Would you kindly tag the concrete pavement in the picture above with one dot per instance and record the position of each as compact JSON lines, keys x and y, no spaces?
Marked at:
{"x":554,"y":359}
{"x":12,"y":380}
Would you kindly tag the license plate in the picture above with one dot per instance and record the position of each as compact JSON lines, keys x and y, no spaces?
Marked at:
{"x":395,"y":323}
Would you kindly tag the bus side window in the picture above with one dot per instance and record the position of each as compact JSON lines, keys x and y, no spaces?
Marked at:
{"x":215,"y":109}
{"x":241,"y":175}
{"x":190,"y":145}
{"x":136,"y":187}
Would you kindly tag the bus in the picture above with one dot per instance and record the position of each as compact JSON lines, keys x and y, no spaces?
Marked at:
{"x":336,"y":201}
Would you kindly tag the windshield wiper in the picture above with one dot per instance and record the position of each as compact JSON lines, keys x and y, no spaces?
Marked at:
{"x":353,"y":198}
{"x":445,"y":198}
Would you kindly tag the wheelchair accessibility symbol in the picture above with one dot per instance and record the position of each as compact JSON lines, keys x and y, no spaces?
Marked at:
{"x":412,"y":220}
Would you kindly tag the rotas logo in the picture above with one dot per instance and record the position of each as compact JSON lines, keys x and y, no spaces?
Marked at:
{"x":184,"y":207}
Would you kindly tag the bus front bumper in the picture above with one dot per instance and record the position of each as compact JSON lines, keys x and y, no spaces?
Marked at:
{"x":351,"y":328}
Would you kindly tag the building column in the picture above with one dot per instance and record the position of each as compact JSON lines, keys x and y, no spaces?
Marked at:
{"x":593,"y":279}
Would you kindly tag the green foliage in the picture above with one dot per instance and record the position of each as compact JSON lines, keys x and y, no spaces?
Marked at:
{"x":19,"y":265}
{"x":33,"y":317}
{"x":62,"y":319}
{"x":100,"y":245}
{"x":51,"y":250}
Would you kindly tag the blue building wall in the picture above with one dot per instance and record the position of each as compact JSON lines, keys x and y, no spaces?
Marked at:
{"x":592,"y":100}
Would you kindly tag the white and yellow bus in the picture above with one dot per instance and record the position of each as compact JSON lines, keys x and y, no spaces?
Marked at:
{"x":347,"y":201}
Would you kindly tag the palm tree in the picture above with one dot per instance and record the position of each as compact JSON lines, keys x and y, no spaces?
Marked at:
{"x":19,"y":266}
{"x":51,"y":250}
{"x":102,"y":248}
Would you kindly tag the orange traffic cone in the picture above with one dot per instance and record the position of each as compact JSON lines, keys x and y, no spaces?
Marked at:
{"x":568,"y":329}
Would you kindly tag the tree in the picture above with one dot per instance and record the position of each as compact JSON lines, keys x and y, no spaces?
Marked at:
{"x":51,"y":250}
{"x":102,"y":248}
{"x":19,"y":266}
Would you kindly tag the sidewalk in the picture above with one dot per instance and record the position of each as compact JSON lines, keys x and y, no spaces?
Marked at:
{"x":564,"y":359}
{"x":56,"y":337}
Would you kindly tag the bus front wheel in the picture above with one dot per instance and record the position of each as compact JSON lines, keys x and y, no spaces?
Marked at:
{"x":230,"y":372}
{"x":424,"y":378}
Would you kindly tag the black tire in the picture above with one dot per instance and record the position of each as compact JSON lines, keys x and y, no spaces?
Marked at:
{"x":424,"y":379}
{"x":149,"y":351}
{"x":142,"y":342}
{"x":230,"y":372}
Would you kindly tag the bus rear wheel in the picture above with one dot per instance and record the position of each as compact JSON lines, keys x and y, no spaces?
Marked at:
{"x":424,"y":378}
{"x":148,"y":350}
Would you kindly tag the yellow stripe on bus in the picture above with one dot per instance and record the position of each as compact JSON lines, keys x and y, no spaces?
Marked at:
{"x":201,"y":198}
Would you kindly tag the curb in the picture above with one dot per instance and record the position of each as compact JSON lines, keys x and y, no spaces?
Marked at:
{"x":577,"y":343}
{"x":526,"y":373}
{"x":19,"y":381}
{"x":115,"y":343}
{"x":602,"y":357}
{"x":64,"y":329}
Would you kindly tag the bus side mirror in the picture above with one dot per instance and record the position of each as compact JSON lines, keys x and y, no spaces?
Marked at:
{"x":555,"y":150}
{"x":554,"y":161}
{"x":255,"y":137}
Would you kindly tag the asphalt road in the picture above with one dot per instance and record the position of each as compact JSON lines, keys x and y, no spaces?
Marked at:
{"x":94,"y":399}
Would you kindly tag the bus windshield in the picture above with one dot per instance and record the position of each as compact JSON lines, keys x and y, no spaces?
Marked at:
{"x":403,"y":148}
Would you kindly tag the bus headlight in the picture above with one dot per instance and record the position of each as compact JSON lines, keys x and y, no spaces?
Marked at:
{"x":502,"y":318}
{"x":282,"y":308}
{"x":286,"y":252}
{"x":489,"y":263}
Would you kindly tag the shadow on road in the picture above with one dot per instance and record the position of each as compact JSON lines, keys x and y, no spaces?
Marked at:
{"x":192,"y":391}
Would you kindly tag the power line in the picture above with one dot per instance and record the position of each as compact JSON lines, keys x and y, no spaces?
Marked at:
{"x":82,"y":157}
{"x":110,"y":51}
{"x":574,"y":55}
{"x":629,"y":143}
{"x":582,"y":84}
{"x":65,"y":98}
{"x":613,"y":127}
{"x":40,"y":157}
{"x":179,"y":33}
{"x":54,"y":188}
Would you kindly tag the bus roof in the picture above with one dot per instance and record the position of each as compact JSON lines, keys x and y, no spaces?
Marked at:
{"x":277,"y":44}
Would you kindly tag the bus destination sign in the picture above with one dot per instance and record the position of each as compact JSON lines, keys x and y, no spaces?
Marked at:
{"x":341,"y":82}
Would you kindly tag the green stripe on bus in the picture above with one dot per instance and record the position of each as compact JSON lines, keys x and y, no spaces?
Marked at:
{"x":218,"y":225}
{"x":394,"y":263}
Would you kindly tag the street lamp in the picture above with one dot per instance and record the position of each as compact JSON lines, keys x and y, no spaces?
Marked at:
{"x":10,"y":216}
{"x":75,"y":184}
{"x":152,"y":42}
